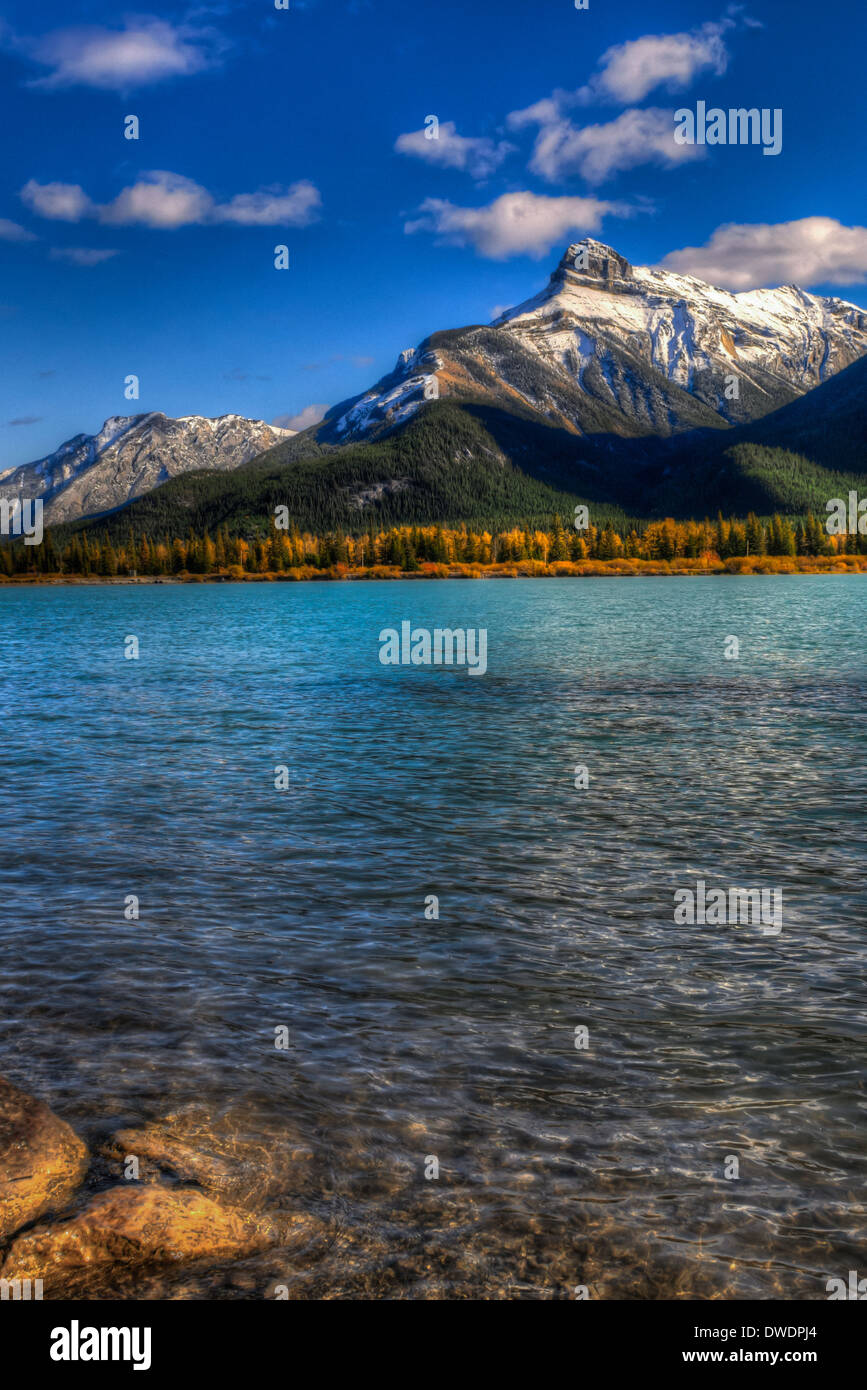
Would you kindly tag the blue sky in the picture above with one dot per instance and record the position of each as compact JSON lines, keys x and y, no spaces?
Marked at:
{"x":261,"y":127}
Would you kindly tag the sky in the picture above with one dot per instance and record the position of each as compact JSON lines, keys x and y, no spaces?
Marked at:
{"x":307,"y":127}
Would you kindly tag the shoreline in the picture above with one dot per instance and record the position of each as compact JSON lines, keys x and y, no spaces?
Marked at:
{"x":596,"y":569}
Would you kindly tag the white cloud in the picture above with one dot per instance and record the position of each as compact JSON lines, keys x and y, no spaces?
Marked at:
{"x":544,"y":112}
{"x":160,"y":199}
{"x":146,"y":50}
{"x":630,"y":70}
{"x":476,"y":155}
{"x":809,"y":251}
{"x":164,"y":200}
{"x":11,"y":231}
{"x":81,"y":255}
{"x":62,"y":202}
{"x":310,"y":415}
{"x":295,"y":206}
{"x":514,"y":224}
{"x":596,"y":152}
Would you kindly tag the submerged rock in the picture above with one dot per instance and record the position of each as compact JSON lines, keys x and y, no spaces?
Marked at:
{"x":42,"y":1160}
{"x":146,"y":1224}
{"x":219,"y":1153}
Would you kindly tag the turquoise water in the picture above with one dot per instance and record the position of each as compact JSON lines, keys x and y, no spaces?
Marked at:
{"x":455,"y":1038}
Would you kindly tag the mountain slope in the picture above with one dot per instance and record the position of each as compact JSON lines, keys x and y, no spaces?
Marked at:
{"x":610,"y":348}
{"x":793,"y":460}
{"x":451,"y":464}
{"x":131,"y":455}
{"x":829,"y":425}
{"x":470,"y":462}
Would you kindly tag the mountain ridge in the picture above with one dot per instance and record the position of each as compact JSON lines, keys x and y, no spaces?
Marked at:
{"x":604,"y":387}
{"x":131,"y":454}
{"x":635,"y":352}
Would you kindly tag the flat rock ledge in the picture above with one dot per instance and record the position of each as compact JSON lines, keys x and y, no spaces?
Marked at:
{"x":137,"y":1225}
{"x":42,"y":1161}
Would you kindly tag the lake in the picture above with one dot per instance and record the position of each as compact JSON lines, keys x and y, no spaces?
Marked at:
{"x":465,"y":1139}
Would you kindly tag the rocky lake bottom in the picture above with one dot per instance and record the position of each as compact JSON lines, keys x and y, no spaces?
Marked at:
{"x":282,"y":1074}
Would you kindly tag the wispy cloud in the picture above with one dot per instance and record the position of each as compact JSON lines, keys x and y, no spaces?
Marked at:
{"x":359,"y":360}
{"x":164,"y":200}
{"x":25,"y":420}
{"x":82,"y":255}
{"x":310,"y":415}
{"x":143,"y":51}
{"x":478,"y":156}
{"x":628,"y":71}
{"x":597,"y":152}
{"x":11,"y":231}
{"x":62,"y":202}
{"x":809,"y":251}
{"x":515,"y":224}
{"x":297,"y":206}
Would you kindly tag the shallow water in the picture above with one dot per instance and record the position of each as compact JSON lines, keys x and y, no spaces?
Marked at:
{"x":455,"y":1038}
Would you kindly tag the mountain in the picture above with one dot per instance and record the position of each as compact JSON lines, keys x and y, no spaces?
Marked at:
{"x":829,"y":425}
{"x":132,"y":454}
{"x":606,"y":388}
{"x":793,"y":460}
{"x":451,"y":463}
{"x":612,"y":349}
{"x":464,"y":461}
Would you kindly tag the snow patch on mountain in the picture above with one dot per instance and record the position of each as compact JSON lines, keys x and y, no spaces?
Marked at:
{"x":688,"y":330}
{"x":397,"y":398}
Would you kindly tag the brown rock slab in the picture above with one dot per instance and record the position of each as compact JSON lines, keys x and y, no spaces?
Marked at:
{"x":221,"y":1154}
{"x":42,"y":1160}
{"x":141,"y":1225}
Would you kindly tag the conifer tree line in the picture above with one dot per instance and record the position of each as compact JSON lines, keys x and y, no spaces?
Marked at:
{"x":408,"y":548}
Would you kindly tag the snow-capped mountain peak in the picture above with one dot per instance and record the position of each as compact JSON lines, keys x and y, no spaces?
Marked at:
{"x":693,"y":333}
{"x":131,"y":454}
{"x":607,"y":347}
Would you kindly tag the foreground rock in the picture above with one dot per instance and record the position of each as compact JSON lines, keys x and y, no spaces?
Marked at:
{"x":42,"y":1160}
{"x":139,"y":1225}
{"x":219,"y":1153}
